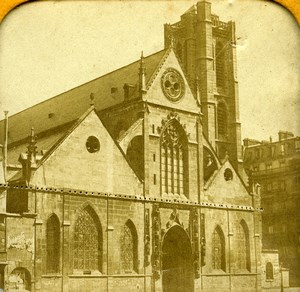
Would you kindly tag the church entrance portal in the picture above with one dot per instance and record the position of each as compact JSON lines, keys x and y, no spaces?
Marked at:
{"x":177,"y":275}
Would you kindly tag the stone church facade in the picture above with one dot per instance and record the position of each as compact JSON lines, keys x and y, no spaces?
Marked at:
{"x":132,"y":181}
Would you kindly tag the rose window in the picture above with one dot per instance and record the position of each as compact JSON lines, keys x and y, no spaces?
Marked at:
{"x":172,"y":84}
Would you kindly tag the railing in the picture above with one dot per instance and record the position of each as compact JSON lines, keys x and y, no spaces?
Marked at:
{"x":217,"y":22}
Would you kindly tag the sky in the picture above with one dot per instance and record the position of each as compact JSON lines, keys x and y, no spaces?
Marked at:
{"x":47,"y":48}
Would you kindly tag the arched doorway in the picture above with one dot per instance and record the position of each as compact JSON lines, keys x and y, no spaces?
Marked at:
{"x":177,"y":275}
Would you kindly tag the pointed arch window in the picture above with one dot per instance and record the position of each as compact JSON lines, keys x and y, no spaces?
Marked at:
{"x":222,"y":118}
{"x":269,"y":271}
{"x":243,"y":246}
{"x":218,"y":250}
{"x":174,"y":159}
{"x":87,"y":242}
{"x":220,"y":64}
{"x":129,"y":248}
{"x":53,"y":244}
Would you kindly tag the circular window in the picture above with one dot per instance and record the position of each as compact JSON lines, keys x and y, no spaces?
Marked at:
{"x":172,"y":84}
{"x":92,"y":144}
{"x":228,"y":175}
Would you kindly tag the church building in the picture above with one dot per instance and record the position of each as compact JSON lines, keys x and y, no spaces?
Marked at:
{"x":132,"y":181}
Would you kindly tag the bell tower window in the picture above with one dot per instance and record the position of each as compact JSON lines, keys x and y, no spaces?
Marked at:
{"x":220,"y":64}
{"x":222,"y":119}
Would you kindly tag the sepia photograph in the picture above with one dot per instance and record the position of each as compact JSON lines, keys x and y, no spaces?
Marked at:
{"x":150,"y":146}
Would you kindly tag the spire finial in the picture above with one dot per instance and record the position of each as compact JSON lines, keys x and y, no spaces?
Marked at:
{"x":32,"y":149}
{"x":142,"y":75}
{"x":198,"y":90}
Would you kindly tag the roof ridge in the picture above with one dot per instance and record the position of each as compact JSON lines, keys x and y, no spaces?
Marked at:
{"x":82,"y":84}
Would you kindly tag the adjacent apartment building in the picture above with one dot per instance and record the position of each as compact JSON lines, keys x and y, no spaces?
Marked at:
{"x":275,"y":165}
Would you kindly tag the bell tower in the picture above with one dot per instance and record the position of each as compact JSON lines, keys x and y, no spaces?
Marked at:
{"x":206,"y":49}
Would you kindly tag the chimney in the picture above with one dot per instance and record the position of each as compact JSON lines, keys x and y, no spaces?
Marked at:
{"x":283,"y":135}
{"x":5,"y":144}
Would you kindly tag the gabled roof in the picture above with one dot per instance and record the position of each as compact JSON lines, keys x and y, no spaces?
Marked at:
{"x":70,"y":105}
{"x":45,"y":140}
{"x":56,"y":139}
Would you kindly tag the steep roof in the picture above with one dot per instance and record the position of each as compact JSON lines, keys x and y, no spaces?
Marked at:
{"x":45,"y":141}
{"x":70,"y":105}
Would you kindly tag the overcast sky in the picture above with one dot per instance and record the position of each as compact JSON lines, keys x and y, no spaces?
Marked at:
{"x":50,"y":47}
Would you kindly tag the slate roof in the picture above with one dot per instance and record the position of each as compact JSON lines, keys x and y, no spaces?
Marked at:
{"x":70,"y":105}
{"x":45,"y":140}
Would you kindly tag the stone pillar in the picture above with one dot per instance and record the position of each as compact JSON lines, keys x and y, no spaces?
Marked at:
{"x":204,"y":69}
{"x":65,"y":251}
{"x":235,"y":149}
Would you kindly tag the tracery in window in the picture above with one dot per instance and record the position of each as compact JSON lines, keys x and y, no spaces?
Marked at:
{"x":218,"y":249}
{"x":87,"y":241}
{"x":173,"y":159}
{"x":53,"y":244}
{"x":129,"y":248}
{"x":222,"y":119}
{"x":243,"y":246}
{"x":269,"y":271}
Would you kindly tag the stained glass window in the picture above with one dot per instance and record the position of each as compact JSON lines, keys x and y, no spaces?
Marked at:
{"x":243,"y":247}
{"x":173,"y":159}
{"x":53,"y":244}
{"x":87,"y":242}
{"x":218,"y":250}
{"x":129,"y":248}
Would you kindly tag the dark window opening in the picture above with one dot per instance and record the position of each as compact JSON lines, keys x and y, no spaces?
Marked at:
{"x":113,"y":90}
{"x":92,"y":144}
{"x":220,"y":64}
{"x":135,"y":154}
{"x":269,"y":271}
{"x":228,"y":174}
{"x":222,"y":119}
{"x":209,"y":164}
{"x":53,"y":244}
{"x":17,"y":201}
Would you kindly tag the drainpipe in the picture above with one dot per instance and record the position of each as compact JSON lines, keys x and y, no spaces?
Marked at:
{"x":5,"y":144}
